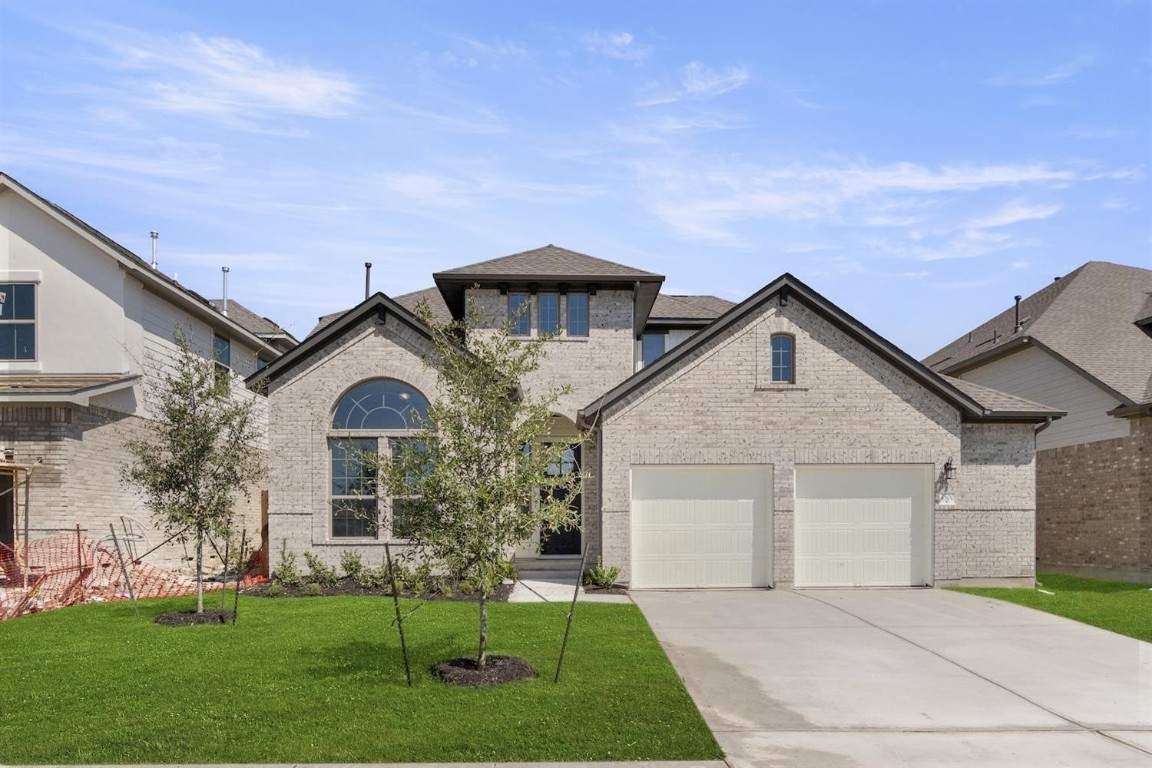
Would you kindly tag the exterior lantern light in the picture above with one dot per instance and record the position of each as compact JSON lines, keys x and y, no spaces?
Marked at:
{"x":949,"y":469}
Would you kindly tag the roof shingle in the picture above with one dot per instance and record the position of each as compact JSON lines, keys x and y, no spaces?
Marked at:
{"x":549,"y":261}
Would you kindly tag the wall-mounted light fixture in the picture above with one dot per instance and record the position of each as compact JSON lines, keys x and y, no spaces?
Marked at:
{"x":949,"y":469}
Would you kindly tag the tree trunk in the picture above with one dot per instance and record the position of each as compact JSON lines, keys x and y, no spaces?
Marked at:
{"x":482,"y":655}
{"x":199,"y":572}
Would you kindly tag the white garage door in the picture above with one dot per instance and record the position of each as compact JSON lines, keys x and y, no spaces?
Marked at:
{"x":701,"y":526}
{"x":863,"y":525}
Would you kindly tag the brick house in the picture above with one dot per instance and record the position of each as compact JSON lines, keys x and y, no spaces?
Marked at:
{"x":1082,"y":344}
{"x":771,"y":442}
{"x":85,"y":325}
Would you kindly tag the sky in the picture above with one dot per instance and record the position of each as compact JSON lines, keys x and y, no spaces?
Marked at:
{"x":916,"y":163}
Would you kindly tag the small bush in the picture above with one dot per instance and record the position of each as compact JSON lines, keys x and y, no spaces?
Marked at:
{"x":508,"y":570}
{"x":370,"y":578}
{"x":287,"y":573}
{"x":274,"y":590}
{"x":319,"y":573}
{"x":443,"y":586}
{"x":466,"y":587}
{"x":352,"y":564}
{"x":400,"y":571}
{"x":601,"y":577}
{"x":313,"y":589}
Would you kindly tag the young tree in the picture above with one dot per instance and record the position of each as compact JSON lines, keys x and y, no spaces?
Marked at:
{"x":197,"y":454}
{"x":481,"y":478}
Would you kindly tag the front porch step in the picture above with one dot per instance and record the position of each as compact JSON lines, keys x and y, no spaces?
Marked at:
{"x":548,"y":569}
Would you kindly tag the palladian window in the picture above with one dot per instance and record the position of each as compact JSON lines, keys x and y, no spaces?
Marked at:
{"x":374,"y":418}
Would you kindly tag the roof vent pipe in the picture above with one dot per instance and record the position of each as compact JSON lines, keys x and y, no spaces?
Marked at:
{"x":367,"y":279}
{"x":224,"y":311}
{"x":1017,"y":328}
{"x":155,"y":236}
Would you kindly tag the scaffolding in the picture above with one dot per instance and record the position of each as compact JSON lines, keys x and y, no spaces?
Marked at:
{"x":18,"y":476}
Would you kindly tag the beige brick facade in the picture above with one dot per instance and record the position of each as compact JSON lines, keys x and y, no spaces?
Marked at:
{"x":1094,"y":506}
{"x":847,"y":406}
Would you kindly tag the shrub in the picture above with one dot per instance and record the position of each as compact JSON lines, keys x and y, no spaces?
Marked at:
{"x":508,"y":570}
{"x":370,"y":578}
{"x":286,"y":571}
{"x":313,"y":589}
{"x":466,"y":587}
{"x":403,"y":575}
{"x":319,"y":573}
{"x":274,"y":590}
{"x":352,"y":564}
{"x":601,"y":577}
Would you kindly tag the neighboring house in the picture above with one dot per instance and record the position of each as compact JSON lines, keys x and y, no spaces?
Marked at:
{"x":776,"y":441}
{"x":1083,"y":344}
{"x":84,"y":327}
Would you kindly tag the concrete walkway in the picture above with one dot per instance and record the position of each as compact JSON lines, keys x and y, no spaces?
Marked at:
{"x":557,"y":590}
{"x":889,"y":678}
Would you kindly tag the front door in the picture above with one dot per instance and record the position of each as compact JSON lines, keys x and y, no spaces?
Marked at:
{"x":563,"y":542}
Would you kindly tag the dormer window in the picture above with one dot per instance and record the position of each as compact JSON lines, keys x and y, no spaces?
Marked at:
{"x":548,"y":307}
{"x":577,"y":314}
{"x":17,"y":321}
{"x":520,"y":313}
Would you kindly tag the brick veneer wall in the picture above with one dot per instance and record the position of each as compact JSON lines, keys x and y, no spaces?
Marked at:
{"x":1094,"y":505}
{"x":847,"y":406}
{"x":79,"y":480}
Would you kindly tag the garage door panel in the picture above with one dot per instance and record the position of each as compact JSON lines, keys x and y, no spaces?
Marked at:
{"x":700,"y":526}
{"x":860,"y":526}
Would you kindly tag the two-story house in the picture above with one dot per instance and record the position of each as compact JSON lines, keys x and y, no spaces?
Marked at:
{"x":1083,"y":344}
{"x":774,"y":441}
{"x":86,"y":326}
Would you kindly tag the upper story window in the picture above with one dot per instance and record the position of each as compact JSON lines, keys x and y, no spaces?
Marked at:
{"x":262,"y":363}
{"x":577,"y":314}
{"x":390,"y":411}
{"x":652,"y":345}
{"x":548,"y":307}
{"x":222,"y":355}
{"x":17,"y":321}
{"x":783,"y":358}
{"x":520,"y":313}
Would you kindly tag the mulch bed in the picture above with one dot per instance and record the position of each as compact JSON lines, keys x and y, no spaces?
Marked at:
{"x":347,"y":586}
{"x":188,"y":618}
{"x":612,"y":590}
{"x":497,"y":670}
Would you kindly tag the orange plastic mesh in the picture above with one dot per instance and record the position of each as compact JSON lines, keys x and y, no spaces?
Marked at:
{"x":71,"y":569}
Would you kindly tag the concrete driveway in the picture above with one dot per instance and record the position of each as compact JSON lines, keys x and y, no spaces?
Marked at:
{"x":916,"y":677}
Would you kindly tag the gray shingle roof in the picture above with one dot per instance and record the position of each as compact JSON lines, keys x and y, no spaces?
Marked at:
{"x":998,"y":402}
{"x":409,"y":301}
{"x":549,"y":261}
{"x":1087,"y":317}
{"x":249,"y":320}
{"x":673,"y":307}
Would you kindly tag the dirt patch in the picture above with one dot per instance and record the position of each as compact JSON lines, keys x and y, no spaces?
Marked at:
{"x":187,"y":618}
{"x":498,"y":669}
{"x":346,"y":586}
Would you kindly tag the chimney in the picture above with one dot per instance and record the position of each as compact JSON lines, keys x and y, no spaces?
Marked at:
{"x":367,"y":279}
{"x":1018,"y":324}
{"x":224,"y":310}
{"x":155,"y":236}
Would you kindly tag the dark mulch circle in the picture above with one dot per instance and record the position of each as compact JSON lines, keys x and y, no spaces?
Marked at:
{"x":612,"y":590}
{"x":187,"y":618}
{"x":499,"y":669}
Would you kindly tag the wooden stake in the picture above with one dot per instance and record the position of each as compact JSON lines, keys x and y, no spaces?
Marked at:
{"x":399,"y":617}
{"x":571,"y":610}
{"x":124,"y":570}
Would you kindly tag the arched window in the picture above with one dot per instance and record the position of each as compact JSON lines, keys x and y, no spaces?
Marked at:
{"x":783,"y":358}
{"x":381,"y":415}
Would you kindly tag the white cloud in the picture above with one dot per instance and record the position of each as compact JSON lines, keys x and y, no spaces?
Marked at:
{"x":699,"y":82}
{"x":616,"y":45}
{"x":1013,"y":213}
{"x":1043,"y":76}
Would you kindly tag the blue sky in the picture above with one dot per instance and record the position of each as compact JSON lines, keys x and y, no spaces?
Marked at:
{"x":917,"y":163}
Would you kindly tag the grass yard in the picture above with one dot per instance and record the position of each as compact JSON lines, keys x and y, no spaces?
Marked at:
{"x":1119,"y":606}
{"x":321,"y":680}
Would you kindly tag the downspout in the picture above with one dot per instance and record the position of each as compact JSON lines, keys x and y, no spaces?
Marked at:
{"x":1047,"y":423}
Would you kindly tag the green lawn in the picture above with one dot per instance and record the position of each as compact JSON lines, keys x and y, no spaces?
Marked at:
{"x":1116,"y":605}
{"x":321,"y":680}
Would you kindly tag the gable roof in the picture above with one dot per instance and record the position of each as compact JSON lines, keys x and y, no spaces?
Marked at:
{"x":259,"y":326}
{"x":377,"y":304}
{"x":1089,"y":318}
{"x":974,"y":403}
{"x":155,"y":280}
{"x":550,"y":266}
{"x":672,"y":309}
{"x":409,"y":301}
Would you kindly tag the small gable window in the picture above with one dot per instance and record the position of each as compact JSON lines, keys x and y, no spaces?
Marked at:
{"x":17,"y":321}
{"x":651,"y":347}
{"x":783,"y":358}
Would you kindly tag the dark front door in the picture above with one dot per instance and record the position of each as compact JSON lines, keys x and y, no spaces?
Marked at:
{"x":7,"y":517}
{"x":563,"y":542}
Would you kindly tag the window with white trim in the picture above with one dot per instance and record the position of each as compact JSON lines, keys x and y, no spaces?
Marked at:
{"x":17,"y":321}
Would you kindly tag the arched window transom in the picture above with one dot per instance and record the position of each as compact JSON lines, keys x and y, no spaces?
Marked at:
{"x":381,"y":404}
